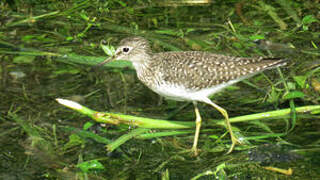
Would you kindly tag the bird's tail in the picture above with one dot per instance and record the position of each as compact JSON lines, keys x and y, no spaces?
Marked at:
{"x":275,"y":62}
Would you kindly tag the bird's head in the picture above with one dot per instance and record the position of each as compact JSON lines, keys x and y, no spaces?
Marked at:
{"x":134,"y":49}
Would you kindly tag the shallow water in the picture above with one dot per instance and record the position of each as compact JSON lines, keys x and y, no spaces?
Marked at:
{"x":51,"y":56}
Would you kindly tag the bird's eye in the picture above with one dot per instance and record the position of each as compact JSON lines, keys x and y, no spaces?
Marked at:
{"x":125,"y":49}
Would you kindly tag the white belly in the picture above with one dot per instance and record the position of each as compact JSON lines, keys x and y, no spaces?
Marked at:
{"x":179,"y":93}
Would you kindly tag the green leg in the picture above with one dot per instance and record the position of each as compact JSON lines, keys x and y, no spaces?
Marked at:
{"x":225,"y":114}
{"x":198,"y":126}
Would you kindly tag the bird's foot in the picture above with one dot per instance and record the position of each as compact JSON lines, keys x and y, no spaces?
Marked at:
{"x":194,"y":152}
{"x":234,"y":141}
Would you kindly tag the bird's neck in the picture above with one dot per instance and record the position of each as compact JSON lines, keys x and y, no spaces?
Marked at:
{"x":142,"y":62}
{"x":145,"y":71}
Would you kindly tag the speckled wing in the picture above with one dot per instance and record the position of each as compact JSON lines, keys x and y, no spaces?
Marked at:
{"x":198,"y":70}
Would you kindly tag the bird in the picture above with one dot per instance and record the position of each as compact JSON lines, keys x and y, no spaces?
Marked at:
{"x":192,"y":76}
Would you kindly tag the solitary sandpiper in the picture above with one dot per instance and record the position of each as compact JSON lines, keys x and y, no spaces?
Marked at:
{"x":190,"y":75}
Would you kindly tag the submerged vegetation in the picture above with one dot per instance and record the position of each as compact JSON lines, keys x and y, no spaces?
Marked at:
{"x":48,"y":49}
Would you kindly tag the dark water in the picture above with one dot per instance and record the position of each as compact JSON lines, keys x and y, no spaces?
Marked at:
{"x":47,"y":51}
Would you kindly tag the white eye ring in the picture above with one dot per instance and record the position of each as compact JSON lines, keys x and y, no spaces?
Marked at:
{"x":125,"y":49}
